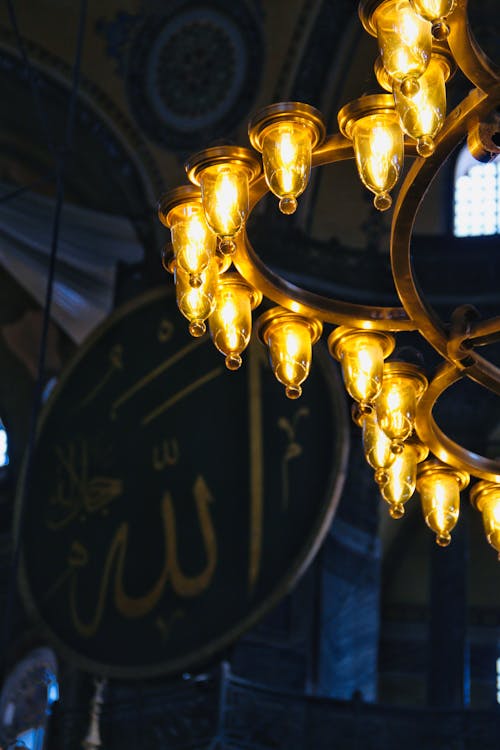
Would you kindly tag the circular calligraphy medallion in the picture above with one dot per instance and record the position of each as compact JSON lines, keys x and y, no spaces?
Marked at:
{"x":173,"y":503}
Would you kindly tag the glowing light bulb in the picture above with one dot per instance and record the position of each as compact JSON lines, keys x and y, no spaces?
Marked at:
{"x":289,"y":338}
{"x":377,"y":447}
{"x":224,"y":191}
{"x":193,"y":242}
{"x":291,"y":354}
{"x":402,"y":477}
{"x":485,"y":496}
{"x":286,"y":135}
{"x":439,"y":488}
{"x":231,"y":322}
{"x":405,"y":42}
{"x":379,"y":149}
{"x":423,"y":115}
{"x":224,"y":174}
{"x":286,"y":156}
{"x":361,"y":354}
{"x":402,"y":386}
{"x":197,"y":303}
{"x":373,"y":125}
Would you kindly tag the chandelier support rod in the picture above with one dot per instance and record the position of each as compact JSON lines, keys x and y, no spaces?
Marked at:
{"x":409,"y":199}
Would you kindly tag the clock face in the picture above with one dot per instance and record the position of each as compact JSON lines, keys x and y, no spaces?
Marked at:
{"x":172,"y":502}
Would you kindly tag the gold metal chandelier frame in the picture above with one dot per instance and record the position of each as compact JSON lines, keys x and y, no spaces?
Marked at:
{"x":455,"y":342}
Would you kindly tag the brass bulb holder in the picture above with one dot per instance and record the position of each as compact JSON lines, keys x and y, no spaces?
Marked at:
{"x":397,"y":368}
{"x":357,"y":414}
{"x":485,"y":497}
{"x":234,"y":279}
{"x":434,"y":467}
{"x":366,"y":9}
{"x":384,"y":80}
{"x":372,"y":104}
{"x":481,"y":492}
{"x":278,"y":315}
{"x":220,"y":155}
{"x":224,"y":261}
{"x":420,"y":449}
{"x":343,"y":333}
{"x":287,"y":112}
{"x":168,"y":257}
{"x":175,"y":198}
{"x":480,"y":140}
{"x":442,"y":53}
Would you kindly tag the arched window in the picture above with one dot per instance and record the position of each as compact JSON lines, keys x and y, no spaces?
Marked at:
{"x":4,"y":446}
{"x":477,"y":197}
{"x":498,"y":680}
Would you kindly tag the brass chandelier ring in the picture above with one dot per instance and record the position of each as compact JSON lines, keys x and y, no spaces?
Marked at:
{"x":440,"y":444}
{"x":335,"y":148}
{"x":393,"y":399}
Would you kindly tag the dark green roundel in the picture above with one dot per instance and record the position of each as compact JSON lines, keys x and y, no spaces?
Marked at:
{"x":173,"y":502}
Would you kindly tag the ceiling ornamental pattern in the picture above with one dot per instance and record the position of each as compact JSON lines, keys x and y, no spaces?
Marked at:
{"x":111,"y":140}
{"x":191,"y":71}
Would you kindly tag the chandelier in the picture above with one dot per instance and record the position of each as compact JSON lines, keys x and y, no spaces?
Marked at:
{"x":220,"y":279}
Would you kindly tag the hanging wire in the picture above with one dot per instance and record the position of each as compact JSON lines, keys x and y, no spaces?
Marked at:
{"x":60,"y":156}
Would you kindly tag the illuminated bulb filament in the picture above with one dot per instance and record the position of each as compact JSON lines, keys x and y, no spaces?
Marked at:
{"x":226,"y":201}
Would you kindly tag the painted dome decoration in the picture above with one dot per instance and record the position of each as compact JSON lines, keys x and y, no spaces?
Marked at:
{"x":192,"y":72}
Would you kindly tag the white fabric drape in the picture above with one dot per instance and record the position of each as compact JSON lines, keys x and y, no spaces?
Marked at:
{"x":90,"y":245}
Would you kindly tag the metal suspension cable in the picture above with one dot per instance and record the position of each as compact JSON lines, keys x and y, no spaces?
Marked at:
{"x":60,"y":156}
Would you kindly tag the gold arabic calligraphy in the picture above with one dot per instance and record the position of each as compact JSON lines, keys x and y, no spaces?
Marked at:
{"x":112,"y":579}
{"x":78,"y":494}
{"x":293,"y":450}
